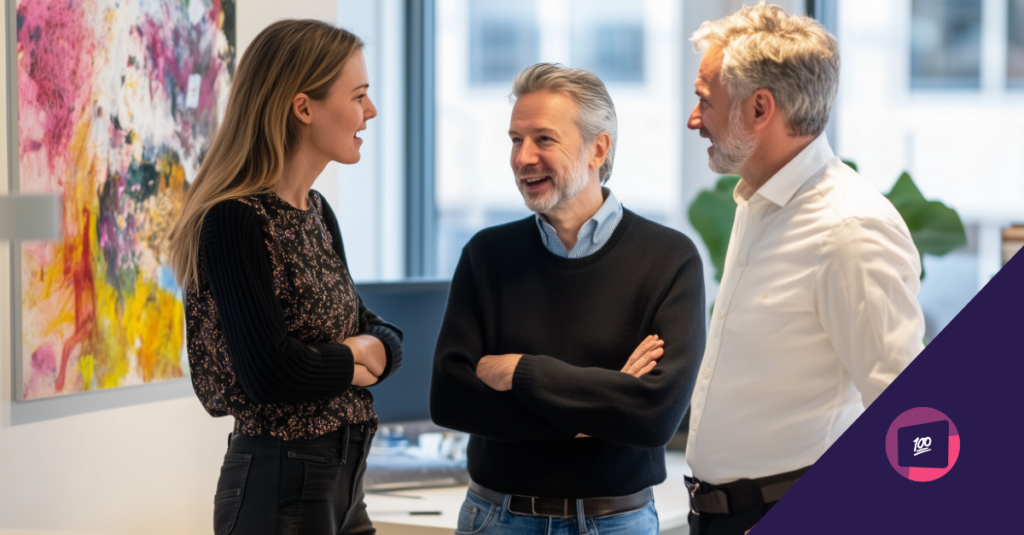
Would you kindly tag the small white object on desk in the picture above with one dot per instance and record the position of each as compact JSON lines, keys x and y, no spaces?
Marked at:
{"x":436,"y":511}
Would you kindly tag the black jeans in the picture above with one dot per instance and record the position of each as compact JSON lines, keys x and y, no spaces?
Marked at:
{"x":734,"y":524}
{"x":295,"y":487}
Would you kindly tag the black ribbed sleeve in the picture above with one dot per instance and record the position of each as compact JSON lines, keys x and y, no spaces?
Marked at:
{"x":271,"y":366}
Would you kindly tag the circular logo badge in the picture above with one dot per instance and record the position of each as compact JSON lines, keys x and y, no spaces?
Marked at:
{"x":922,"y":444}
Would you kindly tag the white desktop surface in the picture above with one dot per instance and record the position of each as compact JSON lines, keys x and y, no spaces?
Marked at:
{"x":392,"y":513}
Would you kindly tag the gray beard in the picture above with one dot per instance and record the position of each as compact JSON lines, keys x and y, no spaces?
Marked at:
{"x":732,"y":150}
{"x":566,"y":188}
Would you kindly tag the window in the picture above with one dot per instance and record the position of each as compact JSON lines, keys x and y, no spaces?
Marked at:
{"x":961,"y":148}
{"x":367,"y":197}
{"x":946,"y":44}
{"x":1015,"y":44}
{"x":503,"y":39}
{"x":474,"y":186}
{"x":608,"y":40}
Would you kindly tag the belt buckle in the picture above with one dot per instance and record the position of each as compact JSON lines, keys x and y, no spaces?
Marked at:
{"x":693,"y":494}
{"x":533,"y":507}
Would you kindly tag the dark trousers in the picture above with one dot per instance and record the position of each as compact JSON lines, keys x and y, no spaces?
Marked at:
{"x":295,"y":487}
{"x":732,"y":524}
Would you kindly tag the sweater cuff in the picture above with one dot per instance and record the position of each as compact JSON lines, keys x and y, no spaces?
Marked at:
{"x":392,"y":350}
{"x":337,"y":367}
{"x":522,"y":378}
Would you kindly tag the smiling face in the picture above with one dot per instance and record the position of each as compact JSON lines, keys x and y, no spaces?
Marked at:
{"x":338,"y":119}
{"x":551,"y":163}
{"x":718,"y":119}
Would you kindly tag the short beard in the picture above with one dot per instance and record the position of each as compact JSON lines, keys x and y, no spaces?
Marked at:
{"x":566,"y":187}
{"x":733,"y":149}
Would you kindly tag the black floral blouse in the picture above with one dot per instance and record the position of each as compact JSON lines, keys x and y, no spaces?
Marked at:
{"x":272,"y":301}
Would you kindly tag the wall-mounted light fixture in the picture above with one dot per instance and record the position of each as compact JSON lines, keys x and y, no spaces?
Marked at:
{"x":31,"y":217}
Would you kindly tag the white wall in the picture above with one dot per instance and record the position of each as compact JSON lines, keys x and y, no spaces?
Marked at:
{"x":143,"y":469}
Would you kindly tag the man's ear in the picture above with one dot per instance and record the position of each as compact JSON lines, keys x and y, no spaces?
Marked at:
{"x":599,"y":150}
{"x":301,"y":108}
{"x":764,"y":107}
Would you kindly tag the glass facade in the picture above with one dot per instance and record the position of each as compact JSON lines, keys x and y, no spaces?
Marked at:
{"x":945,"y":44}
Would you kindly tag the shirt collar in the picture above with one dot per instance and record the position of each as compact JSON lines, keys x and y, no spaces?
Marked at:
{"x":781,"y":187}
{"x":601,"y":219}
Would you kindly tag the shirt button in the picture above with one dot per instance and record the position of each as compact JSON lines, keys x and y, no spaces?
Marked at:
{"x":707,"y":373}
{"x":693,"y":428}
{"x":739,"y":263}
{"x":721,"y":313}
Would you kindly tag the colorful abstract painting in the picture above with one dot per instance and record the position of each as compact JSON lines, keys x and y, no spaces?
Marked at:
{"x":117,"y":103}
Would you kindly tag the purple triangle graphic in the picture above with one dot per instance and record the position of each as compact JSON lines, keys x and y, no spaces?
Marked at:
{"x":972,"y":372}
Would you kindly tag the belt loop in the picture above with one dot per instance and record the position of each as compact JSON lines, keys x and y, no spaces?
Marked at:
{"x":504,"y":509}
{"x":344,"y":446}
{"x":230,"y":434}
{"x":580,"y":516}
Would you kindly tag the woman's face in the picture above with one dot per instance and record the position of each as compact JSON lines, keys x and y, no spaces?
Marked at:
{"x":338,"y":119}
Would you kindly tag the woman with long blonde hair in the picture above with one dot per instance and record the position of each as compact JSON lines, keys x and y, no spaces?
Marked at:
{"x":277,"y":335}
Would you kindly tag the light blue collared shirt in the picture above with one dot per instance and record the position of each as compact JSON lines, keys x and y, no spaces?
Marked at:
{"x":592,"y":236}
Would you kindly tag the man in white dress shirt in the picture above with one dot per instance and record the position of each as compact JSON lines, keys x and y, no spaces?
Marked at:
{"x":817,"y":312}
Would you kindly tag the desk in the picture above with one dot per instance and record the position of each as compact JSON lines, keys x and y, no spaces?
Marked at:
{"x":391,"y":512}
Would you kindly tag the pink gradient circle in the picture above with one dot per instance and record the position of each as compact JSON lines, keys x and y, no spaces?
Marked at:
{"x":921,"y":415}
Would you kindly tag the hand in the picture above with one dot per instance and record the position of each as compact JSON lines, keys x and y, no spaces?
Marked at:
{"x":363,"y":377}
{"x":645,"y":356}
{"x":368,"y":351}
{"x":496,"y":370}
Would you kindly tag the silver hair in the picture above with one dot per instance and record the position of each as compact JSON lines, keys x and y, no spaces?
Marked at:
{"x":791,"y":56}
{"x":595,"y":109}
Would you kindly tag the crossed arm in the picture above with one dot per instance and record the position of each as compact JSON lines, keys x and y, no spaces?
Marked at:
{"x":496,"y":371}
{"x":517,"y":398}
{"x":368,"y":358}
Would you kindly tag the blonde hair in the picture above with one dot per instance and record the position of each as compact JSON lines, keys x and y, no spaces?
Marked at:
{"x":791,"y":56}
{"x":595,"y":110}
{"x":259,"y":130}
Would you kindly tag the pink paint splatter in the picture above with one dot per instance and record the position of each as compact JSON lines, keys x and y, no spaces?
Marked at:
{"x":43,"y":360}
{"x":55,"y":48}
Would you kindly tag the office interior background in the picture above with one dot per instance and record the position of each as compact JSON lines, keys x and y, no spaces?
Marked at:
{"x":931,"y":87}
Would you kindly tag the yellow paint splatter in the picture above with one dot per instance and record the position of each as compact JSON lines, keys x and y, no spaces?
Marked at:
{"x":86,"y":367}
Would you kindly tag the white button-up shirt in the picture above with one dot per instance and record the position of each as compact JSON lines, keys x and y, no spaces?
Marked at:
{"x":816,"y":314}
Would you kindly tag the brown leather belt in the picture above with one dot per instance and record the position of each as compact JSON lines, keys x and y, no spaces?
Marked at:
{"x":566,"y":507}
{"x":739,"y":495}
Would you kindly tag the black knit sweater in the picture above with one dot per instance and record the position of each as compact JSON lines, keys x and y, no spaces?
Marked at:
{"x":576,"y":321}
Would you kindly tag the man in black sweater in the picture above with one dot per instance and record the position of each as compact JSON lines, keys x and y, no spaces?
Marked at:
{"x":572,"y":338}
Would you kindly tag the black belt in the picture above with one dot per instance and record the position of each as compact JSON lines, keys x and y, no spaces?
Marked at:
{"x":566,"y":507}
{"x":355,"y":433}
{"x":739,"y":495}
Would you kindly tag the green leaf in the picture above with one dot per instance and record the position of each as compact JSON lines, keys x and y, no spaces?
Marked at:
{"x":851,"y":164}
{"x":935,"y":227}
{"x":712,"y":214}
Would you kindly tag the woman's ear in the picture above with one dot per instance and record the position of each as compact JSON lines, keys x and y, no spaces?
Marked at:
{"x":301,"y":108}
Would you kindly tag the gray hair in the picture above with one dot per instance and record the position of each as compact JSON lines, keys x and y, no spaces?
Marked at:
{"x":791,"y":56}
{"x":595,"y":109}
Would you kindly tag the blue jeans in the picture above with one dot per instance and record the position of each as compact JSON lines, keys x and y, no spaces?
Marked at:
{"x":479,"y":516}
